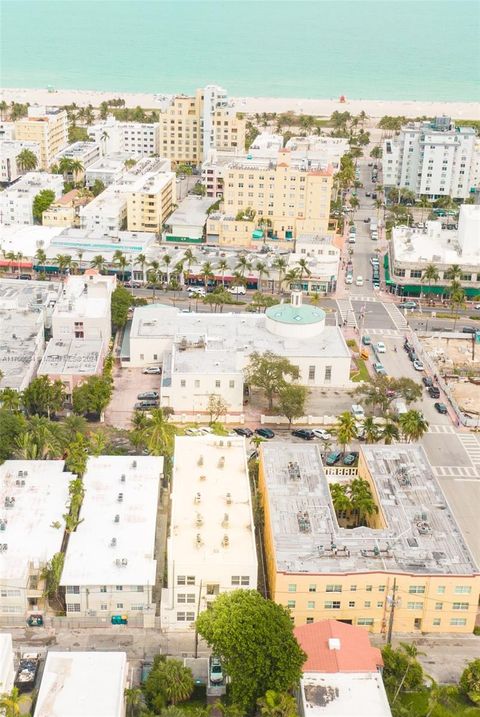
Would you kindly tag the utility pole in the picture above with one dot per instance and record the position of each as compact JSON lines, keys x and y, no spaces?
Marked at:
{"x":392,"y":612}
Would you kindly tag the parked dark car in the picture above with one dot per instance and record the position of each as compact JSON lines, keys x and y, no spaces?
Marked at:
{"x":265,"y":432}
{"x":303,"y":433}
{"x":152,"y":395}
{"x":441,"y":407}
{"x":145,"y":405}
{"x":350,"y":458}
{"x":434,"y":392}
{"x":25,"y":277}
{"x":468,"y":330}
{"x":247,"y":432}
{"x":427,"y":381}
{"x":333,"y":458}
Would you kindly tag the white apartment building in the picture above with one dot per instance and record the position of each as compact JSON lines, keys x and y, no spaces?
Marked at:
{"x":77,"y":684}
{"x":431,"y":158}
{"x":110,"y":566}
{"x":107,"y":213}
{"x":83,"y":309}
{"x":328,"y":150}
{"x":7,"y":670}
{"x":133,"y":138}
{"x":211,"y":546}
{"x":9,"y":151}
{"x":84,"y":152}
{"x":323,"y":259}
{"x":7,"y":130}
{"x":48,"y":127}
{"x":22,"y":343}
{"x":107,"y":170}
{"x":16,"y":202}
{"x":33,"y":495}
{"x":411,"y":250}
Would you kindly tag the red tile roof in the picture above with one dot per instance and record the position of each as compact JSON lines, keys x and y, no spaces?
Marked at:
{"x":355,"y":653}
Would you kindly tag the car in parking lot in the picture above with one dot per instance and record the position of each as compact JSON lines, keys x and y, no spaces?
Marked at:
{"x":427,"y":381}
{"x":247,"y":432}
{"x":434,"y":392}
{"x":154,"y":395}
{"x":152,"y":369}
{"x":441,"y":407}
{"x":350,"y":458}
{"x":418,"y":365}
{"x":237,"y":290}
{"x":379,"y":369}
{"x":359,"y":281}
{"x":196,"y":290}
{"x":408,"y":305}
{"x":321,"y":433}
{"x":145,"y":405}
{"x":380,"y":347}
{"x":216,"y":671}
{"x":304,"y":433}
{"x":468,"y":330}
{"x":357,"y":411}
{"x":265,"y":432}
{"x":333,"y":458}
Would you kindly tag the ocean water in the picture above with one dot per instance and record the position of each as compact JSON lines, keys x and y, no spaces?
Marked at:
{"x":365,"y":49}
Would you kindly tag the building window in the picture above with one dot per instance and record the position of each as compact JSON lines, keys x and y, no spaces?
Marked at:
{"x":436,"y":621}
{"x":351,"y":603}
{"x":380,"y":603}
{"x":365,"y":621}
{"x":245,"y":580}
{"x":416,"y":589}
{"x":311,"y":373}
{"x":312,"y":588}
{"x":73,"y":590}
{"x":309,"y":620}
{"x":103,"y":606}
{"x":334,"y":589}
{"x":197,"y":383}
{"x":183,"y":383}
{"x":185,"y":616}
{"x":235,"y":579}
{"x":415,"y":605}
{"x":367,"y":604}
{"x":185,"y":579}
{"x":461,"y":605}
{"x":332,"y":605}
{"x":119,"y":588}
{"x":311,"y":605}
{"x":458,"y":621}
{"x":462,"y":589}
{"x":415,"y":273}
{"x":231,"y":384}
{"x":369,"y":588}
{"x":103,"y":588}
{"x":328,"y":373}
{"x":353,"y":588}
{"x":292,"y":587}
{"x":441,"y":589}
{"x":73,"y":607}
{"x":140,"y":588}
{"x":439,"y":606}
{"x":119,"y":605}
{"x":381,"y":588}
{"x":291,"y":604}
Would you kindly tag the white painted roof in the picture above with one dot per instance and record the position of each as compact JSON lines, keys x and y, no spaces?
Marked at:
{"x":344,"y":694}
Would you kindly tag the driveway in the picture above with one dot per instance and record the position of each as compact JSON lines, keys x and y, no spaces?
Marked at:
{"x":128,"y":382}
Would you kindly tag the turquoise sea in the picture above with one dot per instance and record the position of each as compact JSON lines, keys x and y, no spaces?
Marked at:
{"x":370,"y":49}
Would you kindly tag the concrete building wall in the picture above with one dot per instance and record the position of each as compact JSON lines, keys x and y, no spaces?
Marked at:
{"x":16,"y":202}
{"x":149,"y":206}
{"x":9,"y":151}
{"x":48,"y":127}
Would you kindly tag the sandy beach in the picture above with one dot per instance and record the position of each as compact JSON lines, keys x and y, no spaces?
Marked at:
{"x":319,"y":108}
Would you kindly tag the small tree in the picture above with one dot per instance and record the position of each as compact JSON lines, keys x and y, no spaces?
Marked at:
{"x":216,"y":407}
{"x":268,"y":372}
{"x":42,"y":396}
{"x":121,"y":302}
{"x":52,"y":574}
{"x":168,"y":682}
{"x":470,"y":681}
{"x":97,"y":187}
{"x":41,"y":203}
{"x":292,"y":399}
{"x":92,"y":396}
{"x":277,"y":704}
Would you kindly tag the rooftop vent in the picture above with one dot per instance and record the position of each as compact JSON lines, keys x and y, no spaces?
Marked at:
{"x":304,"y":524}
{"x":124,"y":562}
{"x":113,"y":542}
{"x":293,"y":470}
{"x":203,"y":477}
{"x":134,"y":464}
{"x":198,"y":540}
{"x":334,"y":643}
{"x":117,"y":518}
{"x":221,"y":462}
{"x":199,"y":520}
{"x":200,"y":461}
{"x":197,"y":498}
{"x":120,"y":498}
{"x":123,"y":478}
{"x":225,"y":521}
{"x":228,"y":498}
{"x":3,"y":524}
{"x":3,"y":547}
{"x":20,"y":482}
{"x":9,"y":502}
{"x":225,"y":541}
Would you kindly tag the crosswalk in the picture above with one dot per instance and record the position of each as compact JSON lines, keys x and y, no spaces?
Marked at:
{"x":455,"y":472}
{"x":360,"y":297}
{"x":391,"y":333}
{"x":441,"y":428}
{"x":472,"y":448}
{"x":396,"y":316}
{"x":347,"y":314}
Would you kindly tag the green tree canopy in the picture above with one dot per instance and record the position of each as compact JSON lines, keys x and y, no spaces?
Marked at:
{"x":121,"y":302}
{"x":470,"y":681}
{"x":27,"y":160}
{"x":41,"y":202}
{"x":43,"y":397}
{"x":168,"y":683}
{"x":291,"y":401}
{"x":268,"y":372}
{"x":12,"y":426}
{"x":92,"y":396}
{"x":254,"y":637}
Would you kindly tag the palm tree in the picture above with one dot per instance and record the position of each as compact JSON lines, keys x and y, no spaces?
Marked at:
{"x":412,"y":653}
{"x":10,"y":703}
{"x":277,"y":704}
{"x":178,"y":682}
{"x":159,"y":433}
{"x":453,"y":273}
{"x":153,"y":274}
{"x":10,"y":399}
{"x":223,"y":267}
{"x":103,"y":139}
{"x":370,"y":430}
{"x":303,"y":268}
{"x":362,"y":499}
{"x":207,"y":273}
{"x":430,"y":274}
{"x":45,"y":435}
{"x":141,"y":260}
{"x":63,"y":261}
{"x":243,"y":265}
{"x":424,"y":203}
{"x":346,"y":428}
{"x":27,"y":160}
{"x":167,"y":260}
{"x":457,"y":300}
{"x":65,"y":167}
{"x":134,"y":701}
{"x":121,"y":261}
{"x":98,"y":262}
{"x":262,"y":270}
{"x":413,"y":425}
{"x":354,"y":203}
{"x":41,"y":258}
{"x":76,"y":168}
{"x":264,"y":223}
{"x":390,"y":433}
{"x":3,"y":109}
{"x":290,"y":278}
{"x":280,"y":264}
{"x":340,"y":499}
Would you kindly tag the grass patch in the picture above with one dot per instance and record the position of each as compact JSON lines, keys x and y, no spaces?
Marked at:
{"x":361,"y":373}
{"x":416,"y":704}
{"x":352,"y":344}
{"x":474,"y":318}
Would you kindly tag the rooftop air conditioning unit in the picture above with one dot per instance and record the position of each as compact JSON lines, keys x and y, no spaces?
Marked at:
{"x":117,"y":519}
{"x":225,"y":541}
{"x":113,"y":542}
{"x":229,"y":498}
{"x":203,"y":477}
{"x":134,"y":464}
{"x":120,"y":497}
{"x":200,"y":461}
{"x":123,"y":478}
{"x":221,"y":462}
{"x":124,"y":562}
{"x":225,"y":521}
{"x":197,"y":498}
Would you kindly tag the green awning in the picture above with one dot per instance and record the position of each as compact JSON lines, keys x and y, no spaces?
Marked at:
{"x":184,"y":240}
{"x":257,"y":234}
{"x":386,"y":268}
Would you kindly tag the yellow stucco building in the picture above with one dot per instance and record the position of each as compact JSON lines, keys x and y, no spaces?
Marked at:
{"x":411,"y":555}
{"x":48,"y":127}
{"x":150,"y":201}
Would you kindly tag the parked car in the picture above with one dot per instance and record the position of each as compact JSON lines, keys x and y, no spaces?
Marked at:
{"x":237,"y":290}
{"x":196,"y":290}
{"x":265,"y":432}
{"x":350,"y":458}
{"x":25,"y":277}
{"x":434,"y":392}
{"x":154,"y":395}
{"x":374,"y":260}
{"x":366,"y":340}
{"x":333,"y":458}
{"x":468,"y":330}
{"x":357,"y":411}
{"x":216,"y":672}
{"x":418,"y":365}
{"x":349,"y":279}
{"x":366,"y":220}
{"x":408,"y":305}
{"x":441,"y":407}
{"x":427,"y":381}
{"x":477,"y":307}
{"x":304,"y":433}
{"x":152,"y":369}
{"x":380,"y":347}
{"x":321,"y":433}
{"x":247,"y":432}
{"x":408,"y":347}
{"x":145,"y":405}
{"x":359,"y":281}
{"x":133,"y":284}
{"x":379,"y":369}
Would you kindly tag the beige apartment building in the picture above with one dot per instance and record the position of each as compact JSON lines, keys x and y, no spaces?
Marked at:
{"x":191,"y":125}
{"x":48,"y":127}
{"x":410,"y":557}
{"x":292,"y":195}
{"x":150,"y":202}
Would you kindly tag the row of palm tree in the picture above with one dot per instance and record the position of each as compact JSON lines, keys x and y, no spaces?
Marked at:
{"x":68,"y":167}
{"x":353,"y":500}
{"x":409,"y":426}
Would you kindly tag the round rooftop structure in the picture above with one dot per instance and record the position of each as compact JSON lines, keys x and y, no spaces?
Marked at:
{"x":295,"y":320}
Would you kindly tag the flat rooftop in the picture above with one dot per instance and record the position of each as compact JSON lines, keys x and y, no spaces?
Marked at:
{"x":210,"y":500}
{"x":235,"y":332}
{"x":209,"y":360}
{"x":26,"y":238}
{"x":418,"y":246}
{"x":21,"y":344}
{"x":191,"y":211}
{"x":343,"y":694}
{"x":82,"y":684}
{"x":71,"y":357}
{"x":23,"y":295}
{"x":107,"y":551}
{"x":38,"y":502}
{"x":421,"y":535}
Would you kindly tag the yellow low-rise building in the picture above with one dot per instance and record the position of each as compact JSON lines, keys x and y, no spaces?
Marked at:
{"x":48,"y":127}
{"x":65,"y":211}
{"x":150,"y":202}
{"x":410,"y":558}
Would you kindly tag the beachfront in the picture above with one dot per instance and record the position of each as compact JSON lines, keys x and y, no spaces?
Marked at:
{"x":251,"y":105}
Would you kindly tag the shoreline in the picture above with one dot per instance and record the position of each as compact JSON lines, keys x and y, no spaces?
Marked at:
{"x":252,"y":105}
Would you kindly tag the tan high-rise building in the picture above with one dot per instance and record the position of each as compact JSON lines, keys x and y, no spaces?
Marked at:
{"x":291,"y":195}
{"x":191,"y":125}
{"x":48,"y":127}
{"x":150,"y":202}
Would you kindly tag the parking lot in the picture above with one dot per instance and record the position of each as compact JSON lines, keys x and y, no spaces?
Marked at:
{"x":128,"y":383}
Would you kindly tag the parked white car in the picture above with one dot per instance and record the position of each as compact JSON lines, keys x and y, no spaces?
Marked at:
{"x":321,"y":433}
{"x":196,"y":291}
{"x":359,"y":281}
{"x":381,"y":348}
{"x":349,"y":279}
{"x":237,"y":290}
{"x":358,"y":411}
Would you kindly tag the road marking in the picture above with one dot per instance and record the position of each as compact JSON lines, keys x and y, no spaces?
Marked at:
{"x":396,"y":315}
{"x":359,"y":297}
{"x":441,"y":428}
{"x":347,"y":314}
{"x":392,"y":333}
{"x":466,"y":480}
